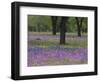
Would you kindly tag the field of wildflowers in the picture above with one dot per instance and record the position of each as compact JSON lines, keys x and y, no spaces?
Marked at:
{"x":44,"y":50}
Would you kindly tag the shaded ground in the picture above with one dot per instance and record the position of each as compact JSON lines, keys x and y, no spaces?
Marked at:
{"x":44,"y":49}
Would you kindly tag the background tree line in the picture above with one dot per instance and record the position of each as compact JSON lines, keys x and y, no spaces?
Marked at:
{"x":44,"y":24}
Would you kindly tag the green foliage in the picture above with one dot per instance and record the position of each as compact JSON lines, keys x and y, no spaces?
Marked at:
{"x":58,"y":24}
{"x":44,"y":24}
{"x":39,"y":23}
{"x":71,"y":26}
{"x":85,"y":24}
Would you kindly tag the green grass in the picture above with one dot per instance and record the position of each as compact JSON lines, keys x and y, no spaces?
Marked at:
{"x":57,"y":34}
{"x":69,"y":43}
{"x":75,"y":43}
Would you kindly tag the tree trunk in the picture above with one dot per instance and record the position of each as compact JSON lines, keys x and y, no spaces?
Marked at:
{"x":79,"y":26}
{"x":54,"y":23}
{"x":63,"y":30}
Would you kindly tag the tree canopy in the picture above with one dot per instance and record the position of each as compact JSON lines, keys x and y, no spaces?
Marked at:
{"x":44,"y":24}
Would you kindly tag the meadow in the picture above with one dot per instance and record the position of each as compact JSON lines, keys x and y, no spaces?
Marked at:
{"x":44,"y":49}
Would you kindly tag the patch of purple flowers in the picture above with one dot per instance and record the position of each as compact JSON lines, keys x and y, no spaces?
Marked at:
{"x":38,"y":56}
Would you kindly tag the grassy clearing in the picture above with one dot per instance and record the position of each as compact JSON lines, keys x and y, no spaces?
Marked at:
{"x":57,"y":34}
{"x":69,"y":43}
{"x":70,"y":40}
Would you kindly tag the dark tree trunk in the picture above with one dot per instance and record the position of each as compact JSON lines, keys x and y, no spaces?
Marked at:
{"x":54,"y":24}
{"x":63,"y":30}
{"x":79,"y":25}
